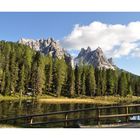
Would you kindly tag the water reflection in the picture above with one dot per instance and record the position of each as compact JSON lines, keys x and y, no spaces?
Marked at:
{"x":135,"y":118}
{"x":10,"y":109}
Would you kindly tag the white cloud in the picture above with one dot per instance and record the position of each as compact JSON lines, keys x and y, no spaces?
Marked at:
{"x":116,"y":40}
{"x":136,"y":52}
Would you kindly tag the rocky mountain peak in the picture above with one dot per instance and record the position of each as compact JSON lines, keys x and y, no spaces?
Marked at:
{"x":48,"y":47}
{"x":111,"y":61}
{"x":84,"y":51}
{"x":86,"y":56}
{"x":99,"y":49}
{"x":88,"y":49}
{"x":95,"y":58}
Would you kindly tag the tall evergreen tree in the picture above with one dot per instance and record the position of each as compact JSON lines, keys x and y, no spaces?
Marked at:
{"x":21,"y":82}
{"x":59,"y":73}
{"x":137,"y":87}
{"x":90,"y":82}
{"x":71,"y":82}
{"x":115,"y":75}
{"x":129,"y":88}
{"x":110,"y":82}
{"x":78,"y":73}
{"x":103,"y":82}
{"x":13,"y":68}
{"x":48,"y":75}
{"x":2,"y":87}
{"x":37,"y":77}
{"x":83,"y":81}
{"x":122,"y":84}
{"x":7,"y":90}
{"x":98,"y":79}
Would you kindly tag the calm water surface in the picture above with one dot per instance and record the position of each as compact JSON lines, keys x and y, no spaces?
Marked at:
{"x":10,"y":109}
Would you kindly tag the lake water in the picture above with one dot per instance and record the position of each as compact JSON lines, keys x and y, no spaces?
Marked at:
{"x":9,"y":109}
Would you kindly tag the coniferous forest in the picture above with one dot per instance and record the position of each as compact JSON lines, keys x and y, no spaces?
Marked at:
{"x":23,"y":71}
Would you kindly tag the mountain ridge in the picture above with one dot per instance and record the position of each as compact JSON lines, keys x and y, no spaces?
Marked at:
{"x":48,"y":46}
{"x":85,"y":56}
{"x":95,"y":58}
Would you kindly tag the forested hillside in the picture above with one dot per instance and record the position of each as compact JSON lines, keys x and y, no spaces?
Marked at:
{"x":23,"y":71}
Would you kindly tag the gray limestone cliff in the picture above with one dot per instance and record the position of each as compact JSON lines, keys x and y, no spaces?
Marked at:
{"x":95,"y":58}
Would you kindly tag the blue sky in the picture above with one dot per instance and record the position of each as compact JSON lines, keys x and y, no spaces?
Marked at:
{"x":59,"y":25}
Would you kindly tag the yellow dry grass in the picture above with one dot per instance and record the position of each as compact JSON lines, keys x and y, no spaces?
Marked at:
{"x":7,"y":126}
{"x":97,"y":100}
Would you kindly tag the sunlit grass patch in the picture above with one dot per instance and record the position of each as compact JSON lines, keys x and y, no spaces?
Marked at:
{"x":94,"y":100}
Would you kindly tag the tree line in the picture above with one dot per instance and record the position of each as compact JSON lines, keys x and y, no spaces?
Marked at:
{"x":23,"y":71}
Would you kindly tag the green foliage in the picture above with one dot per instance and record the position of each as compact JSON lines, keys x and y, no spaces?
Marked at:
{"x":123,"y":85}
{"x":98,"y":78}
{"x":70,"y":82}
{"x":23,"y":71}
{"x":110,"y":82}
{"x":21,"y":82}
{"x":137,"y":87}
{"x":78,"y":73}
{"x":59,"y":73}
{"x":48,"y":75}
{"x":83,"y":81}
{"x":90,"y":82}
{"x":37,"y":74}
{"x":103,"y":83}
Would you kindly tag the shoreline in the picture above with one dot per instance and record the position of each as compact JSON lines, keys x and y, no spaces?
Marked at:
{"x":10,"y":98}
{"x":102,"y":100}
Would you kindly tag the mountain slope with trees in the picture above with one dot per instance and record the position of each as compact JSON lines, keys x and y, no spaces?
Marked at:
{"x":24,"y":70}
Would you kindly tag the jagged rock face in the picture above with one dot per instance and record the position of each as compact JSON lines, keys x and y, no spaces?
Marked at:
{"x":95,"y":58}
{"x":46,"y":46}
{"x":110,"y":60}
{"x":86,"y":56}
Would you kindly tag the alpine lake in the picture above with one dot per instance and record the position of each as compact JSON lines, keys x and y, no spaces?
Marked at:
{"x":11,"y":109}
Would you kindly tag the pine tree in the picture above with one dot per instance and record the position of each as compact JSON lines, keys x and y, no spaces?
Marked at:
{"x":137,"y":87}
{"x":7,"y":90}
{"x":90,"y":82}
{"x":21,"y":83}
{"x":98,"y":79}
{"x":3,"y":83}
{"x":110,"y":82}
{"x":27,"y":60}
{"x":37,"y":76}
{"x":129,"y":88}
{"x":34,"y":78}
{"x":54,"y":78}
{"x":59,"y":73}
{"x":115,"y":82}
{"x":48,"y":75}
{"x":83,"y":81}
{"x":13,"y":68}
{"x":78,"y":73}
{"x":103,"y":82}
{"x":71,"y":82}
{"x":122,"y":85}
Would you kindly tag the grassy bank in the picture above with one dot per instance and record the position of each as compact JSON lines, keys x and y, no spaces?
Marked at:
{"x":15,"y":98}
{"x":102,"y":100}
{"x":96,"y":100}
{"x":8,"y":126}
